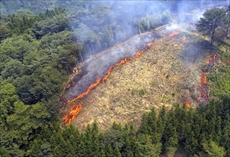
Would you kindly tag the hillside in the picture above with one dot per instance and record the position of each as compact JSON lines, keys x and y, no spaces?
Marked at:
{"x":151,"y":91}
{"x":164,"y":75}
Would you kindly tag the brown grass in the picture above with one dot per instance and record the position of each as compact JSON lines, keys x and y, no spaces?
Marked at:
{"x":159,"y":77}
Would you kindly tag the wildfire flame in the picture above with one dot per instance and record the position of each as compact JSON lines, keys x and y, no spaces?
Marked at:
{"x":203,"y":95}
{"x":86,"y":92}
{"x":67,"y":119}
{"x":203,"y":78}
{"x":138,"y":54}
{"x":213,"y":58}
{"x":188,"y":104}
{"x":208,"y":60}
{"x":173,"y":33}
{"x":150,"y":45}
{"x":123,"y":61}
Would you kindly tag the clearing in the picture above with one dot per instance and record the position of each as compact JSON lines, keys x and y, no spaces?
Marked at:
{"x":168,"y":73}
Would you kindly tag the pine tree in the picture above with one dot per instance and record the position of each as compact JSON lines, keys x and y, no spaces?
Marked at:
{"x":109,"y":151}
{"x":117,"y":152}
{"x":212,"y":149}
{"x":211,"y":20}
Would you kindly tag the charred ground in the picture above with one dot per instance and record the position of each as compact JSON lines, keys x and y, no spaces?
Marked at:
{"x":167,"y":73}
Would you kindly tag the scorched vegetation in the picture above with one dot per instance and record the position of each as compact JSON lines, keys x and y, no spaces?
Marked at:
{"x":141,"y":90}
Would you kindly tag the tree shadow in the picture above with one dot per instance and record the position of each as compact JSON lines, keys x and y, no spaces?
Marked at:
{"x":221,"y":42}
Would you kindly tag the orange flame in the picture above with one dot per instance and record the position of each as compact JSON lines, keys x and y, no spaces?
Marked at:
{"x":204,"y":78}
{"x":211,"y":58}
{"x":86,"y":92}
{"x":214,"y":56}
{"x":173,"y":33}
{"x":67,"y":119}
{"x":188,"y":104}
{"x":204,"y":88}
{"x":108,"y":73}
{"x":138,"y":54}
{"x":75,"y":110}
{"x":203,"y":95}
{"x":123,"y":61}
{"x":150,"y":45}
{"x":208,"y":60}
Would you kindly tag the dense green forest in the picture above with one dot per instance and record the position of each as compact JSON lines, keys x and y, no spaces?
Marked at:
{"x":97,"y":25}
{"x":39,"y":46}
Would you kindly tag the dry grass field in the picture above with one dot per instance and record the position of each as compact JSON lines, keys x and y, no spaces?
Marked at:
{"x":162,"y":76}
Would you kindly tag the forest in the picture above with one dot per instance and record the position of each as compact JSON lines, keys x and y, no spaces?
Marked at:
{"x":40,"y":44}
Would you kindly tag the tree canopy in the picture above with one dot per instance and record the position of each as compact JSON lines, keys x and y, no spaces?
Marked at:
{"x":38,"y":50}
{"x":212,"y":19}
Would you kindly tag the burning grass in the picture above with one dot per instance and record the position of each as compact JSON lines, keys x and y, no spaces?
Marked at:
{"x":156,"y":78}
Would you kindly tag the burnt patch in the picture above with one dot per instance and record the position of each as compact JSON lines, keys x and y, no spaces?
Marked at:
{"x":194,"y":52}
{"x":83,"y":72}
{"x":97,"y":66}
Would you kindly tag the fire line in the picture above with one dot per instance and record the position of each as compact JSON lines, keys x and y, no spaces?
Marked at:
{"x":188,"y":104}
{"x":67,"y":119}
{"x":123,"y":61}
{"x":173,"y":33}
{"x":203,"y":89}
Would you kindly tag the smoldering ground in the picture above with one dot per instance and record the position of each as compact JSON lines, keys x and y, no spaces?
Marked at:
{"x":125,"y":15}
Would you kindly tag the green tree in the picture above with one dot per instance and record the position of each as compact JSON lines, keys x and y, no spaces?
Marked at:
{"x":20,"y":21}
{"x":92,"y":140}
{"x":7,"y":97}
{"x":4,"y":152}
{"x":4,"y":32}
{"x":17,"y":47}
{"x":228,"y":20}
{"x":149,"y":126}
{"x":170,"y":138}
{"x":52,"y":25}
{"x":113,"y":137}
{"x":109,"y":151}
{"x":25,"y":120}
{"x":211,"y":20}
{"x":144,"y":146}
{"x":117,"y":152}
{"x":14,"y":68}
{"x":212,"y":149}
